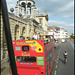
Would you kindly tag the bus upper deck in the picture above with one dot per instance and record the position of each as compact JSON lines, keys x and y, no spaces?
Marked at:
{"x":33,"y":57}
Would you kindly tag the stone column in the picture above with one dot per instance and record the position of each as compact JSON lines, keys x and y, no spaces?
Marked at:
{"x":27,"y":30}
{"x":20,"y":30}
{"x":32,"y":29}
{"x":19,"y":9}
{"x":16,"y":10}
{"x":12,"y":27}
{"x":1,"y":39}
{"x":32,"y":12}
{"x":26,"y":10}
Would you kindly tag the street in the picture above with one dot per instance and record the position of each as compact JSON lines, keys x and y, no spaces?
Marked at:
{"x":59,"y":68}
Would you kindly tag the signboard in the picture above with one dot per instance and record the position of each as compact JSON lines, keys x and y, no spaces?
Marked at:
{"x":17,"y":48}
{"x":40,"y":60}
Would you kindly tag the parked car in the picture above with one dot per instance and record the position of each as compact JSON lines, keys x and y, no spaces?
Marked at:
{"x":71,"y":39}
{"x":63,"y":40}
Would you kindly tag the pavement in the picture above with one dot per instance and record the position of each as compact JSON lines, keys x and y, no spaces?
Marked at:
{"x":5,"y":67}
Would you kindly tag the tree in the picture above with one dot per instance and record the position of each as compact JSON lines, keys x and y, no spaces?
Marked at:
{"x":72,"y":36}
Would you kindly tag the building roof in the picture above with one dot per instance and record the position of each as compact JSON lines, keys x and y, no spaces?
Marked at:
{"x":32,"y":19}
{"x":27,"y":0}
{"x":64,"y":29}
{"x":54,"y":28}
{"x":42,"y":15}
{"x":57,"y":28}
{"x":51,"y":27}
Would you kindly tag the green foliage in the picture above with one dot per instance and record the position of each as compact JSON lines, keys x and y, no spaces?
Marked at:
{"x":72,"y":36}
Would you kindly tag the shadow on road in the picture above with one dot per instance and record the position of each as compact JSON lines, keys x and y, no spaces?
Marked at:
{"x":61,"y":60}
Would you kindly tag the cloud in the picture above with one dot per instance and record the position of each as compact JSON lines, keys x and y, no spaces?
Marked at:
{"x":62,"y":24}
{"x":62,"y":8}
{"x":11,"y":1}
{"x":65,"y":9}
{"x":59,"y":23}
{"x":57,"y":7}
{"x":11,"y":4}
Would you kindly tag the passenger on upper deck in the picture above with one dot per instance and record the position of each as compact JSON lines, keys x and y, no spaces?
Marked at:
{"x":35,"y":36}
{"x":21,"y":38}
{"x":40,"y":37}
{"x":27,"y":38}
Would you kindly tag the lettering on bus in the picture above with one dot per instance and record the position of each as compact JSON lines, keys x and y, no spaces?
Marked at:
{"x":25,"y":54}
{"x":24,"y":43}
{"x":40,"y":60}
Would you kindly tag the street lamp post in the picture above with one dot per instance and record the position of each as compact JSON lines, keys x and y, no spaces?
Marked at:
{"x":8,"y":37}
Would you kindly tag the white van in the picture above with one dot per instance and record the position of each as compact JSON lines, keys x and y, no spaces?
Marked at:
{"x":63,"y":40}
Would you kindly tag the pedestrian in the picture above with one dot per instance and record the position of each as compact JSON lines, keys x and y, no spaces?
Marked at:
{"x":8,"y":59}
{"x":35,"y":36}
{"x":21,"y":38}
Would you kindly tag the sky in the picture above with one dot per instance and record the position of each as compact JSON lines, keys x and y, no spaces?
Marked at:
{"x":60,"y":12}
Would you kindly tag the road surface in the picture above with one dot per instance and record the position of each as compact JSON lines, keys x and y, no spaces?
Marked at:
{"x":59,"y":67}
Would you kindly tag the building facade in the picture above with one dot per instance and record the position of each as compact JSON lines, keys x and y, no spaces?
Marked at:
{"x":59,"y":33}
{"x":23,"y":24}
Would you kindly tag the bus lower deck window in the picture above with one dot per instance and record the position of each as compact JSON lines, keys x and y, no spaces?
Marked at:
{"x":26,"y":59}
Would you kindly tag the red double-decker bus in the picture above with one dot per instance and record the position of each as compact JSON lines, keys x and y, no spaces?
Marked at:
{"x":33,"y":57}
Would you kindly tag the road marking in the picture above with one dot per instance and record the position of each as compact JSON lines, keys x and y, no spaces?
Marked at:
{"x":55,"y":72}
{"x":56,"y":67}
{"x":56,"y":61}
{"x":57,"y":58}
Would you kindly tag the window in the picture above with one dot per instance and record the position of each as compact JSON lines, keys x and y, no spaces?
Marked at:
{"x":40,"y":20}
{"x":25,"y":48}
{"x":26,"y":59}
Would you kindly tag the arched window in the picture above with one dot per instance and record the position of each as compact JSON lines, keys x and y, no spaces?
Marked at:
{"x":30,"y":32}
{"x":23,"y":31}
{"x":16,"y":32}
{"x":34,"y":30}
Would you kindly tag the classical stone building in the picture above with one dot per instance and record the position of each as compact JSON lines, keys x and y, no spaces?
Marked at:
{"x":23,"y":23}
